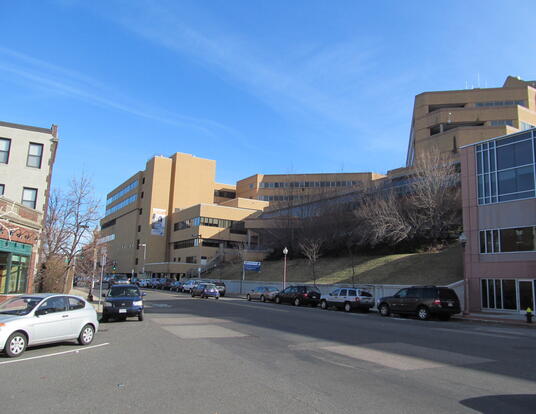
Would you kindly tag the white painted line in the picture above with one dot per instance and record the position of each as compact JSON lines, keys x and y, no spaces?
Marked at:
{"x":256,"y":306}
{"x":54,"y":354}
{"x":475,"y":333}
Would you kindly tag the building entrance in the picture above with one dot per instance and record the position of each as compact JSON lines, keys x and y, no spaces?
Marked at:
{"x":526,"y":294}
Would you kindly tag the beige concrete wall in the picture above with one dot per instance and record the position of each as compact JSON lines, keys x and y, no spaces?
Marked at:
{"x":246,"y":203}
{"x":15,"y":175}
{"x":192,"y":181}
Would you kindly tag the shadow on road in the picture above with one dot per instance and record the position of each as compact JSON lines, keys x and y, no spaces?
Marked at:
{"x":500,"y":404}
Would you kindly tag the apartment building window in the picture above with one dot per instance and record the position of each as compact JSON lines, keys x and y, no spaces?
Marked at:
{"x":5,"y":145}
{"x":2,"y":188}
{"x":141,"y":196}
{"x":519,"y":239}
{"x":29,"y":197}
{"x":35,"y":154}
{"x":139,"y":228}
{"x":143,"y":180}
{"x":122,"y":192}
{"x":191,"y":259}
{"x":141,"y":211}
{"x":506,"y":169}
{"x":525,"y":125}
{"x":122,"y":204}
{"x":138,"y":244}
{"x":500,"y":103}
{"x":136,"y":261}
{"x":502,"y":122}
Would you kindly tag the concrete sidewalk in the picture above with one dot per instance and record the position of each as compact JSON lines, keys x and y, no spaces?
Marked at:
{"x":83,"y":292}
{"x":517,"y":319}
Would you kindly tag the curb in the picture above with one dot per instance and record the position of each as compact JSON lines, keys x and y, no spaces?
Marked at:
{"x":516,"y":323}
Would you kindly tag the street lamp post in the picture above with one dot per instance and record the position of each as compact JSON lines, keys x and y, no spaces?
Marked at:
{"x":285,"y":252}
{"x":144,"y":245}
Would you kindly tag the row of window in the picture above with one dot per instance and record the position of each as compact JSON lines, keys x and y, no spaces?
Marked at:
{"x":502,"y":122}
{"x":500,"y":103}
{"x":525,"y":125}
{"x":283,"y":198}
{"x":29,"y":196}
{"x":234,"y":226}
{"x":506,"y":169}
{"x":33,"y":159}
{"x":184,"y":244}
{"x":308,"y":184}
{"x":224,"y":193}
{"x":226,"y":244}
{"x":122,"y":204}
{"x":499,"y":294}
{"x":520,"y":239}
{"x":122,"y":192}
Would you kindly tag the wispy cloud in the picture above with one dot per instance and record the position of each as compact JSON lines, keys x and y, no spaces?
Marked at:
{"x":324,"y":80}
{"x":60,"y":80}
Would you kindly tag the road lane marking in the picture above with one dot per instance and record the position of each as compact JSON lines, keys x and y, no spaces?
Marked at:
{"x":259,"y":306}
{"x":202,"y":331}
{"x":55,"y":354}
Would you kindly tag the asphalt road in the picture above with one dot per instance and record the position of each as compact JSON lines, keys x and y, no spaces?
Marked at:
{"x":232,"y":356}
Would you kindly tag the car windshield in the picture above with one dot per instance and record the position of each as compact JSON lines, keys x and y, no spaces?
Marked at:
{"x":21,"y":305}
{"x":129,"y":291}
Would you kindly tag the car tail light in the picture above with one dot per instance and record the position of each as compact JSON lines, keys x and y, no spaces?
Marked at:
{"x":305,"y":295}
{"x":357,"y":299}
{"x":437,"y":302}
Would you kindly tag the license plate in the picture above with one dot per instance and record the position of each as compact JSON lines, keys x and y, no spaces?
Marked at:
{"x":450,"y":304}
{"x":122,"y":311}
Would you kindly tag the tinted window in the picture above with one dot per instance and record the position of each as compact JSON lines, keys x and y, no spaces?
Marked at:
{"x":351,"y":292}
{"x":335,"y":292}
{"x":429,"y":293}
{"x":128,"y":291}
{"x":414,"y":293}
{"x":402,"y":293}
{"x":301,"y":289}
{"x":313,"y":289}
{"x":366,"y":294}
{"x":52,"y":305}
{"x":343,"y":292}
{"x":75,"y":303}
{"x":445,"y":293}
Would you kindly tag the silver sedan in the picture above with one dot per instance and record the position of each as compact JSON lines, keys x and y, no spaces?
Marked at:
{"x":262,"y":293}
{"x":38,"y":319}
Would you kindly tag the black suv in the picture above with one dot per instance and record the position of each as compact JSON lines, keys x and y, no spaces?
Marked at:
{"x":423,"y":301}
{"x":297,"y":295}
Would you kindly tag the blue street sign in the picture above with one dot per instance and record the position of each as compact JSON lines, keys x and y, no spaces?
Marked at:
{"x":253,"y":266}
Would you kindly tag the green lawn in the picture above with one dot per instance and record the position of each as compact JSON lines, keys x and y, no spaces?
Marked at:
{"x":413,"y":268}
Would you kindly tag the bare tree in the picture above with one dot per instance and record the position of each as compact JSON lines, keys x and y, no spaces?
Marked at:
{"x":71,"y":216}
{"x":311,"y":249}
{"x":434,"y":196}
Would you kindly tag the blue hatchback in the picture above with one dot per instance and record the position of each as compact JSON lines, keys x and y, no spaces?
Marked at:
{"x":123,"y":301}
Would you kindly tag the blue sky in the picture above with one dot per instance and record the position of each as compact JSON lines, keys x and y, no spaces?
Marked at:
{"x":259,"y":86}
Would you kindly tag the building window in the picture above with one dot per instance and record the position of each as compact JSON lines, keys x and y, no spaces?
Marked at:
{"x":35,"y":154}
{"x":183,"y":244}
{"x":505,"y":169}
{"x":498,"y":294}
{"x":141,"y":211}
{"x":29,"y":197}
{"x":5,"y":145}
{"x":122,"y":192}
{"x":191,"y":259}
{"x":13,"y":273}
{"x":138,"y":244}
{"x":502,"y":122}
{"x":122,"y":204}
{"x":141,"y":195}
{"x":500,"y":103}
{"x":143,"y":180}
{"x":139,"y":228}
{"x":2,"y":188}
{"x":520,"y":239}
{"x":136,"y":261}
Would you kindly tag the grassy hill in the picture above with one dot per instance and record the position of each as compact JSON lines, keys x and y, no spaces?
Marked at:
{"x":440,"y":268}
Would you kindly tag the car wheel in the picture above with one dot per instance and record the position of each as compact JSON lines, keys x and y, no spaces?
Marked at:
{"x":140,"y":316}
{"x":277,"y":300}
{"x":15,"y":344}
{"x":384,"y":309}
{"x":263,"y":299}
{"x":423,"y":313}
{"x":248,"y":297}
{"x":217,"y":297}
{"x":86,"y":335}
{"x":297,"y":302}
{"x":324,"y":305}
{"x":347,"y":307}
{"x":192,"y":294}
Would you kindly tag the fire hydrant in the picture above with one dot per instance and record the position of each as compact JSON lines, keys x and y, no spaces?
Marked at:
{"x":529,"y":315}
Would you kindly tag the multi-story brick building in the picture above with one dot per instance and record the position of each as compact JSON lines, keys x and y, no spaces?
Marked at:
{"x":499,"y":220}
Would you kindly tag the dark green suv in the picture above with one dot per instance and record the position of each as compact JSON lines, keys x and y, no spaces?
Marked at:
{"x":423,"y":301}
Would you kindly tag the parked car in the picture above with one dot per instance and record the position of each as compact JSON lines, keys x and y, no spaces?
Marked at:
{"x":221,"y":287}
{"x":348,"y":299}
{"x":166,"y":283}
{"x":123,"y":301}
{"x":206,"y":290}
{"x":29,"y":320}
{"x":142,"y":283}
{"x":423,"y":301}
{"x":155,"y":283}
{"x":262,"y":293}
{"x":299,"y":295}
{"x":175,"y":286}
{"x":190,"y":284}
